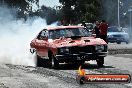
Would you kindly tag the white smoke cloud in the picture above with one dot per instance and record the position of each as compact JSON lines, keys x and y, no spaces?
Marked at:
{"x":15,"y":37}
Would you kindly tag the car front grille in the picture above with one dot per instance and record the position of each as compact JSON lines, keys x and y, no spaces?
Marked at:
{"x":82,"y":49}
{"x":117,"y":35}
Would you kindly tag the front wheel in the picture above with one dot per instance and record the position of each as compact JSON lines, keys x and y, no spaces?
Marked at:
{"x":53,"y":62}
{"x":100,"y":62}
{"x":38,"y":61}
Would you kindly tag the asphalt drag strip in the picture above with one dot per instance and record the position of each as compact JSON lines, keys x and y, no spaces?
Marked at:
{"x":16,"y":76}
{"x":66,"y":74}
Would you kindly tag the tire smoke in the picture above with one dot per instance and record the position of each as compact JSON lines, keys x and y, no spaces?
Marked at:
{"x":15,"y":37}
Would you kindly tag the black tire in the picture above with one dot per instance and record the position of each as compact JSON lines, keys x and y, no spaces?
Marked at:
{"x":53,"y":62}
{"x":100,"y":62}
{"x":38,"y":61}
{"x":118,"y":42}
{"x":127,"y":42}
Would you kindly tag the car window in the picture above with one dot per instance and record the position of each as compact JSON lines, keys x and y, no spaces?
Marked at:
{"x":68,"y":32}
{"x":114,"y":29}
{"x":43,"y":34}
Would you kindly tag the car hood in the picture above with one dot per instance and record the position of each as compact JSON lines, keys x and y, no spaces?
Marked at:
{"x":67,"y":42}
{"x":117,"y":33}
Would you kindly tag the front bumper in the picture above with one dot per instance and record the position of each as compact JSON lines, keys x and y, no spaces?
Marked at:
{"x":77,"y":57}
{"x":117,"y":40}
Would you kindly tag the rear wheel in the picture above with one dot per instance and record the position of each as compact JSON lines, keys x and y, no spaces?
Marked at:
{"x":100,"y":62}
{"x":39,"y":61}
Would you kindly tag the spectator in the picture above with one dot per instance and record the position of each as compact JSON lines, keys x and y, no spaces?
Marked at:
{"x":103,"y":30}
{"x":84,"y":24}
{"x":96,"y":29}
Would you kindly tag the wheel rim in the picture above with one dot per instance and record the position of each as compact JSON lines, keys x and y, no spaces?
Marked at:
{"x":52,"y":61}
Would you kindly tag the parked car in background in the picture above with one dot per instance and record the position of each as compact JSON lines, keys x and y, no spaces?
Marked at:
{"x":117,"y":35}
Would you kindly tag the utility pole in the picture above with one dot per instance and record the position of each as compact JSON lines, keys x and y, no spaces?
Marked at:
{"x":119,"y":13}
{"x":130,"y":30}
{"x":130,"y":20}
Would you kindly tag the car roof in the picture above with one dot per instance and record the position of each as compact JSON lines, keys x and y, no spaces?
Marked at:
{"x":63,"y":27}
{"x":114,"y":27}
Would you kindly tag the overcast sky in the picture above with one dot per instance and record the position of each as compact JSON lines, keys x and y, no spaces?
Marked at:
{"x":50,"y":3}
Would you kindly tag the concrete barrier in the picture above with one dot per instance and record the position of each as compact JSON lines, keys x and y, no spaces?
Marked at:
{"x":119,"y":49}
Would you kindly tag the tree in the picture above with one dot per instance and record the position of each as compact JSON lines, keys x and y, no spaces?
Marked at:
{"x":50,"y":14}
{"x":109,"y":11}
{"x":80,"y":10}
{"x":23,"y":7}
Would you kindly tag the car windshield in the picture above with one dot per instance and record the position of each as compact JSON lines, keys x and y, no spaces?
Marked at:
{"x":114,"y":29}
{"x":68,"y":32}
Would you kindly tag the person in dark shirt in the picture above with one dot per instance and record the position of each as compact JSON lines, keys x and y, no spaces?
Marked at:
{"x":103,"y":27}
{"x":96,"y":29}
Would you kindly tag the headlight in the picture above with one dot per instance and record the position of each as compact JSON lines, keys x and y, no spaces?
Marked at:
{"x":126,"y":36}
{"x":99,"y":47}
{"x":64,"y":50}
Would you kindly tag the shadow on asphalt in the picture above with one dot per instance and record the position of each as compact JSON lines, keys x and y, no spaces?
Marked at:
{"x":64,"y":66}
{"x":75,"y":67}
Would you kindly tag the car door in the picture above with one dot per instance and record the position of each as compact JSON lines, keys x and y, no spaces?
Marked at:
{"x":41,"y":43}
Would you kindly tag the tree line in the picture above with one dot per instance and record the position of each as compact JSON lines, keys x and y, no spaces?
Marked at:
{"x":74,"y":11}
